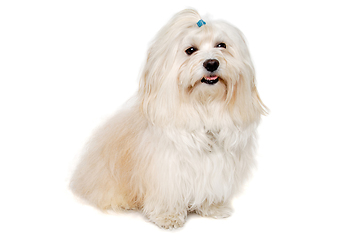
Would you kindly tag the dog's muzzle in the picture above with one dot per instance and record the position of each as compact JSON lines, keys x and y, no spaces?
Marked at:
{"x":211,"y":65}
{"x":210,"y":80}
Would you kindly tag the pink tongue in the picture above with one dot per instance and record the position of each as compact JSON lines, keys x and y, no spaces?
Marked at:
{"x":211,"y":78}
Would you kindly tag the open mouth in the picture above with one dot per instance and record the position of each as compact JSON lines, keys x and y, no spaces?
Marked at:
{"x":210,"y":79}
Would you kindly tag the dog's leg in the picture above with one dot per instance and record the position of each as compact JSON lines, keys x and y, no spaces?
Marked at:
{"x":164,"y":212}
{"x":165,"y":207}
{"x":215,"y":210}
{"x":168,"y":220}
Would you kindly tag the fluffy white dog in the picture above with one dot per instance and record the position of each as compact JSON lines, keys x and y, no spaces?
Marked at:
{"x":187,"y":143}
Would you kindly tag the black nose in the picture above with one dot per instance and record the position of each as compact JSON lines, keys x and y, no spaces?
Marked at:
{"x":211,"y":65}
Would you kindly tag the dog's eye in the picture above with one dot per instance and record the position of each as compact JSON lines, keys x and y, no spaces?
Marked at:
{"x":190,"y":50}
{"x":221,"y":45}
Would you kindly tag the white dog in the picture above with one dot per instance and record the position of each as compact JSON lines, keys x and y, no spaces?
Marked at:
{"x":187,"y":143}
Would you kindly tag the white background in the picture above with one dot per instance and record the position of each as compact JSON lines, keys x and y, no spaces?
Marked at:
{"x":66,"y":66}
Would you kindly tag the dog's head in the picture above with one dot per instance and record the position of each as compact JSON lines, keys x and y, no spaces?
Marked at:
{"x":199,"y":68}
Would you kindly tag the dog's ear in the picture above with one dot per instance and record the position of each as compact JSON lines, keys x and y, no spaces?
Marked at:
{"x":158,"y":83}
{"x":158,"y":88}
{"x":246,"y":101}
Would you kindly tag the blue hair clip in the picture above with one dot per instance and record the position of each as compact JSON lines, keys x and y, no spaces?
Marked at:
{"x":200,"y":23}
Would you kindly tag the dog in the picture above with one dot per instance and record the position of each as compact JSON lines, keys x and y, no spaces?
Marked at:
{"x":187,"y":143}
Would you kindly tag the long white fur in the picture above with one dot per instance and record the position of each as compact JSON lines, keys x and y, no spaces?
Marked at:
{"x":183,"y":145}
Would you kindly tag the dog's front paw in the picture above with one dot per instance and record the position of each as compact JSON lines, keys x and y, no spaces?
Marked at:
{"x":214,"y":210}
{"x":169,"y":221}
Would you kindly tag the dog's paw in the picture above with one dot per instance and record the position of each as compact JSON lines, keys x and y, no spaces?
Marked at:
{"x":215,"y":211}
{"x":171,"y":221}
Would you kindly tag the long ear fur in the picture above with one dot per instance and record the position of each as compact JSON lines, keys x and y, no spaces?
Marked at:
{"x":159,"y":80}
{"x":246,"y":101}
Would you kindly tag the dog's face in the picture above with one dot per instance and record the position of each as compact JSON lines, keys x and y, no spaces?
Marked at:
{"x":210,"y":66}
{"x":191,"y":67}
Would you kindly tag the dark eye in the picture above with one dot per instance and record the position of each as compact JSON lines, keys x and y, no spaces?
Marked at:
{"x":190,"y":50}
{"x":221,"y":45}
